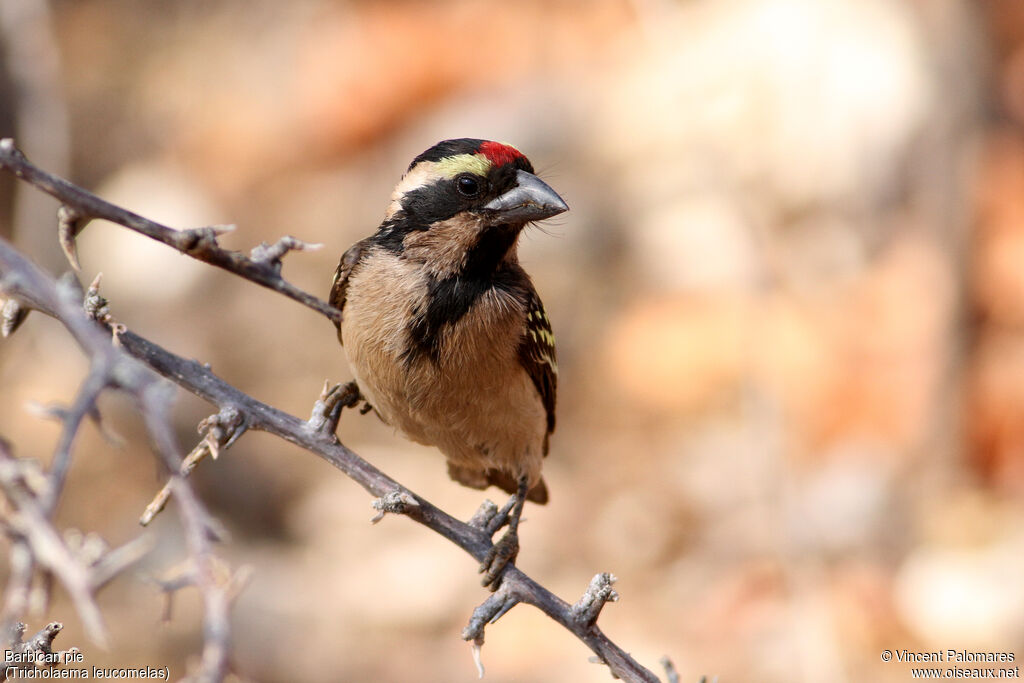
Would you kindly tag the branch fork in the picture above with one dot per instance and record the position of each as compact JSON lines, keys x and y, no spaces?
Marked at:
{"x":28,"y":523}
{"x":598,"y":593}
{"x":271,"y":254}
{"x":493,"y":608}
{"x":70,"y":222}
{"x":37,"y":651}
{"x":220,"y":430}
{"x":12,"y":316}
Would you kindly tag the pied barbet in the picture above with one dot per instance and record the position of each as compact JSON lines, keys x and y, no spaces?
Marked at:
{"x":446,"y":335}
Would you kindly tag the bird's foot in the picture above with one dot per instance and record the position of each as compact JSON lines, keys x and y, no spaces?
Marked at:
{"x":504,"y":552}
{"x":498,"y":558}
{"x":328,"y":407}
{"x":341,"y":395}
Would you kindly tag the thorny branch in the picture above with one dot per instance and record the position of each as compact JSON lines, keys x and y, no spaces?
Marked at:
{"x":221,"y":430}
{"x":36,"y":537}
{"x":263,"y":266}
{"x":30,"y":525}
{"x":239,"y":412}
{"x":37,"y":651}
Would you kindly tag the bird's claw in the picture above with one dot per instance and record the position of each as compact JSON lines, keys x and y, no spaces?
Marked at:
{"x":498,"y":558}
{"x":328,"y":407}
{"x":346,"y":395}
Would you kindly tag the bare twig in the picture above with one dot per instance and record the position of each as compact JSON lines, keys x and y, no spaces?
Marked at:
{"x":598,"y":593}
{"x":13,"y":315}
{"x":19,"y":582}
{"x":54,"y":411}
{"x":42,"y":641}
{"x":395,"y":503}
{"x":178,"y":577}
{"x":85,"y":403}
{"x":20,"y":278}
{"x":116,"y":561}
{"x":221,"y":431}
{"x":37,"y":99}
{"x":29,"y":521}
{"x":492,"y":609}
{"x":69,"y":223}
{"x":263,"y":267}
{"x":671,"y":675}
{"x":26,"y":655}
{"x":272,"y":254}
{"x":198,"y":527}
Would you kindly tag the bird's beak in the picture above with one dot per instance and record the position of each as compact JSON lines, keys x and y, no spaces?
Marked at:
{"x":530,"y":200}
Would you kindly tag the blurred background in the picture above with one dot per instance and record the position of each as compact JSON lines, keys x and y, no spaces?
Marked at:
{"x":789,"y":300}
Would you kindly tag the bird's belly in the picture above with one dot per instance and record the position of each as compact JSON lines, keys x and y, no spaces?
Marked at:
{"x":476,"y":416}
{"x":475,"y":402}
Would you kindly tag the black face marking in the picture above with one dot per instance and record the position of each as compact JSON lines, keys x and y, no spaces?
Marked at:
{"x":391,"y":234}
{"x":484,"y":257}
{"x":500,"y":180}
{"x":449,"y":299}
{"x":442,"y":200}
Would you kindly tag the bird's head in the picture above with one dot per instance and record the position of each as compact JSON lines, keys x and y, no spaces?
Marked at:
{"x":461,"y":206}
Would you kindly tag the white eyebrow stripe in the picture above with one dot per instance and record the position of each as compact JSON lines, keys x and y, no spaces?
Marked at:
{"x":423,"y":173}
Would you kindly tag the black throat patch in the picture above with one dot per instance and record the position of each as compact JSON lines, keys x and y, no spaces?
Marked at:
{"x":450,"y":298}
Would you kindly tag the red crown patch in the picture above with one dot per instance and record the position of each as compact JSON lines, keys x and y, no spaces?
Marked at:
{"x":499,"y":154}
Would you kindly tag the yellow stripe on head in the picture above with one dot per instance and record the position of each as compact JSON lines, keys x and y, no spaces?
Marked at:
{"x":427,"y":172}
{"x":449,"y":167}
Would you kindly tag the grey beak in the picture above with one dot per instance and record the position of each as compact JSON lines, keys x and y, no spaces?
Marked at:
{"x":531,"y":200}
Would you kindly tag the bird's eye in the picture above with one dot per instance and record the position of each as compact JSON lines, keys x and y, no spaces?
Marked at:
{"x":467,"y":185}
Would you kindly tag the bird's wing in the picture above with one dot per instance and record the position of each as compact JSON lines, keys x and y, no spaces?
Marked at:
{"x":537,"y":355}
{"x":339,"y":286}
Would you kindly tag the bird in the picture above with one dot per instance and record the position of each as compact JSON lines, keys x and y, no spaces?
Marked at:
{"x":444,"y":331}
